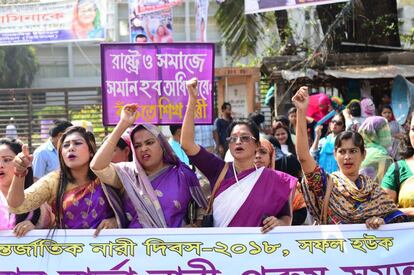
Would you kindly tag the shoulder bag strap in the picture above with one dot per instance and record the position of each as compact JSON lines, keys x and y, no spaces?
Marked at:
{"x":216,"y":187}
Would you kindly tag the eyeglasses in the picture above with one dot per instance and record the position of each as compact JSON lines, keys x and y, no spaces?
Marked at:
{"x":244,"y":139}
{"x":337,"y":122}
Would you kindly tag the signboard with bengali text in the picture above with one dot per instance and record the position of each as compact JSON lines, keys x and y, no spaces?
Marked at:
{"x":154,"y":76}
{"x":256,"y":6}
{"x":302,"y":250}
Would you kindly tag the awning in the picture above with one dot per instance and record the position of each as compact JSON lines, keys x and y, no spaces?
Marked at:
{"x":370,"y":72}
{"x":355,"y":72}
{"x":290,"y":75}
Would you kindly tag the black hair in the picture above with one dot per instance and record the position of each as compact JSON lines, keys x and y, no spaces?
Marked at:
{"x":122,"y":144}
{"x":140,"y":35}
{"x":406,"y":148}
{"x":249,"y":124}
{"x":283,"y":119}
{"x":382,"y":107}
{"x":273,"y":141}
{"x":289,"y":141}
{"x":257,"y":118}
{"x":224,"y":106}
{"x":16,"y":147}
{"x":341,"y":115}
{"x":292,"y":110}
{"x":65,"y":172}
{"x":355,"y":109}
{"x":175,"y":127}
{"x":59,"y":126}
{"x":354,"y":136}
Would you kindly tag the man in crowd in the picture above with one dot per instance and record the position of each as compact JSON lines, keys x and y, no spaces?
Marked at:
{"x":221,"y":124}
{"x":45,"y":157}
{"x":174,"y":141}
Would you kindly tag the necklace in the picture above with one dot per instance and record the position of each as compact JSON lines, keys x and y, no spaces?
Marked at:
{"x":235,"y":174}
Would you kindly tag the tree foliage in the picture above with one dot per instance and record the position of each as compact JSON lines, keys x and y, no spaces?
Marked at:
{"x":240,"y":31}
{"x":18,"y":66}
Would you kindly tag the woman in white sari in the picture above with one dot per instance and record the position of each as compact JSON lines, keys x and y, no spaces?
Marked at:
{"x":243,"y":194}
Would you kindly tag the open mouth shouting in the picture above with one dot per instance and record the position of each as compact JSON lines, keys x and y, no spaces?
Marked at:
{"x":348,"y":165}
{"x":238,"y":149}
{"x":145,"y":157}
{"x":71,"y":157}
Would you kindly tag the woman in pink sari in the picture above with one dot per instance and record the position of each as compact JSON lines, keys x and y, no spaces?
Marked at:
{"x":247,"y":195}
{"x":78,"y":199}
{"x":21,"y":223}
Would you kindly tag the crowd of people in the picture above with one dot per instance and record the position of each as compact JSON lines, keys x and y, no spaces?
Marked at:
{"x":345,"y":171}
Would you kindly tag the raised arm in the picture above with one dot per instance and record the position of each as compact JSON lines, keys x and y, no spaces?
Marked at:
{"x":187,"y":131}
{"x":301,"y":101}
{"x":318,"y":134}
{"x":21,"y":162}
{"x":103,"y":156}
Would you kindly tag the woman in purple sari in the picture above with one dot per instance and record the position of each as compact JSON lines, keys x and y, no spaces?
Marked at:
{"x":247,"y":195}
{"x":157,"y":186}
{"x":78,"y":199}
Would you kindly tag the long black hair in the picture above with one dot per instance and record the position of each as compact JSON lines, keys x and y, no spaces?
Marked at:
{"x":289,"y":141}
{"x":65,"y":172}
{"x":16,"y":146}
{"x":406,"y":148}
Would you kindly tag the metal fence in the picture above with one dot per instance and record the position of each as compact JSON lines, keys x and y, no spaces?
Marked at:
{"x":32,"y":111}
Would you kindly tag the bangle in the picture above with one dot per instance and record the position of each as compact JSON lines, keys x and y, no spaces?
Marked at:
{"x":20,"y":175}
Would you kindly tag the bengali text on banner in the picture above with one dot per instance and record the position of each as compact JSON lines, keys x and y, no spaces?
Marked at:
{"x":347,"y":249}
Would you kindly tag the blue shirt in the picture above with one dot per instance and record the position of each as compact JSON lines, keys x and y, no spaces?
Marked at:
{"x":179,"y":151}
{"x":45,"y":159}
{"x":203,"y":135}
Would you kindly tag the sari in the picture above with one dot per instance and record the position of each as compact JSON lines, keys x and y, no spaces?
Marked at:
{"x":160,"y":201}
{"x":8,"y":219}
{"x":377,"y":138}
{"x":298,"y":202}
{"x":349,"y":202}
{"x":265,"y":192}
{"x":85,"y":207}
{"x":402,"y":183}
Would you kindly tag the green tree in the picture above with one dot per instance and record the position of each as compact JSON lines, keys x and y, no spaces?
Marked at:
{"x":18,"y":66}
{"x":240,"y":31}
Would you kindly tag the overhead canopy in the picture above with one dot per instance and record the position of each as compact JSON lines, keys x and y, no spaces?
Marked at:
{"x":370,"y":72}
{"x":355,"y":72}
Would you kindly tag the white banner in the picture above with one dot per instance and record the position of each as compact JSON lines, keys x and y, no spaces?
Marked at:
{"x":348,"y":249}
{"x":52,"y":21}
{"x":256,"y":6}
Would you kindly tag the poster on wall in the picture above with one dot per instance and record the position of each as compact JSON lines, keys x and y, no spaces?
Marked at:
{"x":236,"y":95}
{"x":151,"y":21}
{"x":53,"y":21}
{"x":201,"y":12}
